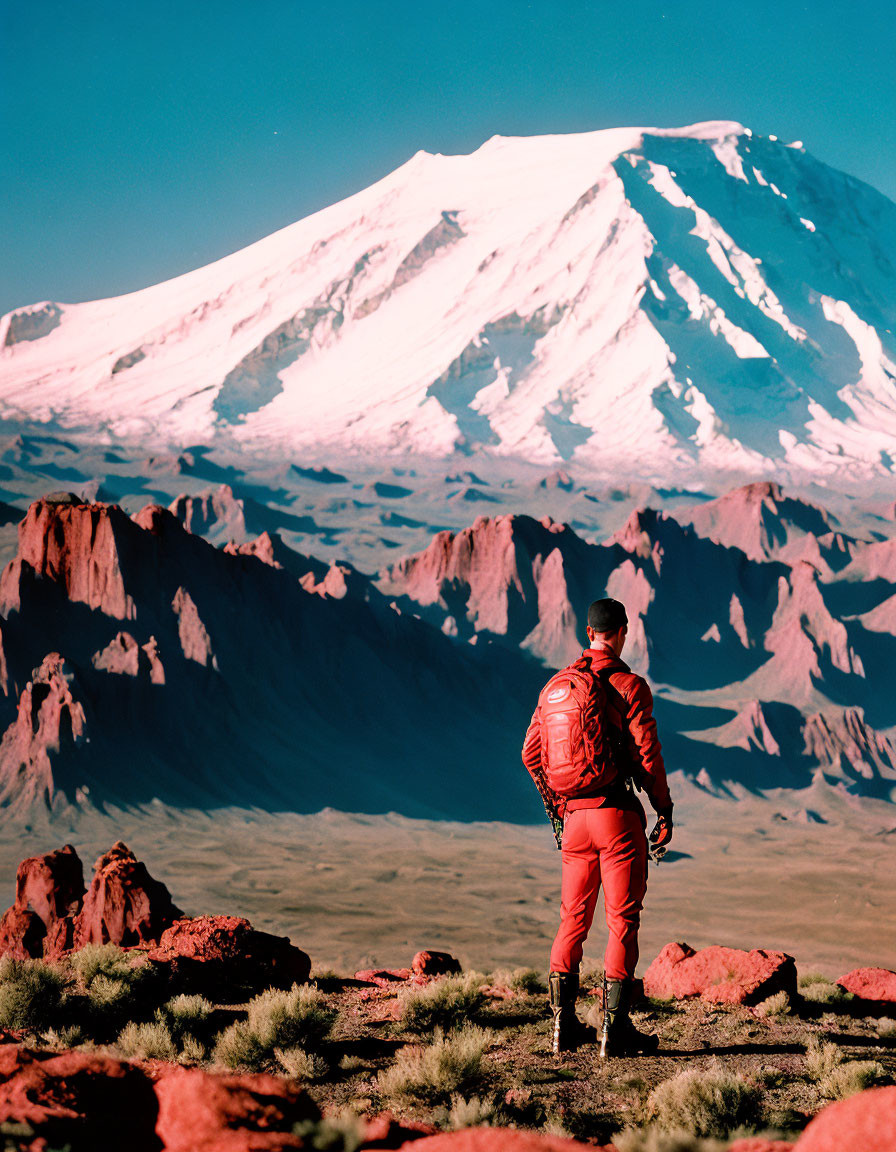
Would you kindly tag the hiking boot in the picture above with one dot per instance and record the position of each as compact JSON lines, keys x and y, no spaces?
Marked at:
{"x":568,"y":1032}
{"x":619,"y":1036}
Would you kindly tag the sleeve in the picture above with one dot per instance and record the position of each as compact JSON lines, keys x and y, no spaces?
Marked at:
{"x":645,"y":744}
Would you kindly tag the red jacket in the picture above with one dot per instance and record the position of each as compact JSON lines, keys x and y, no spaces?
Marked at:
{"x":630,"y":706}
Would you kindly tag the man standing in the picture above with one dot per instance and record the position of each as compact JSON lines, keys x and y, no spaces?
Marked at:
{"x":592,"y":735}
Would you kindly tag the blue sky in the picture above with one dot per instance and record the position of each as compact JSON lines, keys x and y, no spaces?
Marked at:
{"x":142,"y":140}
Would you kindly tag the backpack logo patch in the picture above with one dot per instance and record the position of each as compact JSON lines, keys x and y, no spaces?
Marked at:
{"x":558,"y":694}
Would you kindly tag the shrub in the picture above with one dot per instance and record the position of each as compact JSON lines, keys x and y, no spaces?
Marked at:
{"x":184,"y":1015}
{"x":777,"y":1005}
{"x":703,"y":1102}
{"x":103,"y":960}
{"x":31,"y":994}
{"x":433,"y":1073}
{"x":302,"y":1065}
{"x":656,"y":1140}
{"x":819,"y":990}
{"x":341,"y":1131}
{"x":848,"y":1079}
{"x":524,"y":980}
{"x":298,"y":1018}
{"x":886,"y":1028}
{"x":114,"y":981}
{"x":150,"y":1041}
{"x":475,"y":1112}
{"x":192,"y":1051}
{"x":446,"y":1003}
{"x":822,"y":1057}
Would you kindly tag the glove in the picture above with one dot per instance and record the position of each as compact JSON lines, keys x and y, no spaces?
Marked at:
{"x":661,"y":834}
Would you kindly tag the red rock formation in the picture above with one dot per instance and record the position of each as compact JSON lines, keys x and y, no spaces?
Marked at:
{"x":124,"y":904}
{"x":123,"y":656}
{"x":757,"y":518}
{"x":865,"y":1122}
{"x":83,"y":1101}
{"x":50,"y":720}
{"x":384,"y":1131}
{"x":228,"y":1113}
{"x":77,"y":546}
{"x":843,"y":741}
{"x":507,"y":576}
{"x":434,"y":964}
{"x":216,"y":509}
{"x":225,"y":953}
{"x":49,"y":890}
{"x":720,"y":975}
{"x":876,"y":984}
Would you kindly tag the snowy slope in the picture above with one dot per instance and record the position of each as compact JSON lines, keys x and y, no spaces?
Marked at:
{"x":658,"y":303}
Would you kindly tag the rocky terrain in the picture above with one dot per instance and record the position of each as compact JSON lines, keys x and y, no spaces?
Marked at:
{"x":119,"y":1014}
{"x":762,"y":620}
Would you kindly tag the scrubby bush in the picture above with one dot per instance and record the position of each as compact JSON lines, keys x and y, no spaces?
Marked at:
{"x":656,"y":1140}
{"x":848,"y":1079}
{"x":185,"y":1015}
{"x":703,"y":1102}
{"x":777,"y":1005}
{"x":340,"y":1131}
{"x":150,"y":1041}
{"x":31,"y":994}
{"x":446,"y":1003}
{"x":525,"y":980}
{"x":820,"y":990}
{"x":475,"y":1112}
{"x":117,"y":984}
{"x":822,"y":1057}
{"x":886,"y":1028}
{"x":299,"y":1018}
{"x":432,"y":1074}
{"x":302,"y":1065}
{"x":106,"y":960}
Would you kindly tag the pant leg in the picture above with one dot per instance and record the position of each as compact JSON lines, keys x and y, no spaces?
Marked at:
{"x":623,"y":863}
{"x":579,"y":887}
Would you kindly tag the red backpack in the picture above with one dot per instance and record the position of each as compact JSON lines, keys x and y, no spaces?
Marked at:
{"x":577,"y":752}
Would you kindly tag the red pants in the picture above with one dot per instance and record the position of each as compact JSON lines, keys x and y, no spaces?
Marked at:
{"x":602,"y":846}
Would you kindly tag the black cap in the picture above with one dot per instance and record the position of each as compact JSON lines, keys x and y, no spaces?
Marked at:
{"x":607,"y":615}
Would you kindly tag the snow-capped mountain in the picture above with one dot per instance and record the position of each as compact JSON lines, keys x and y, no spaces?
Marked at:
{"x":650,"y":302}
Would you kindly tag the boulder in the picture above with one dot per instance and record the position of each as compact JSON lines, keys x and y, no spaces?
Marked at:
{"x":219,"y":955}
{"x":83,"y":1101}
{"x":207,"y":1112}
{"x":435,"y":964}
{"x":124,"y":904}
{"x":873,"y":984}
{"x":501,"y":1140}
{"x":720,"y":975}
{"x":865,"y":1122}
{"x":385,"y":977}
{"x":49,"y":890}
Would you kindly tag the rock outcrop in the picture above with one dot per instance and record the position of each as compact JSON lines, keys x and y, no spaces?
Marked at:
{"x":214,"y":1112}
{"x":223,"y":955}
{"x":79,"y":1100}
{"x":877,"y":985}
{"x":124,"y":904}
{"x":52,"y":914}
{"x":49,"y":893}
{"x":209,"y":672}
{"x":866,"y":1121}
{"x":720,"y":975}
